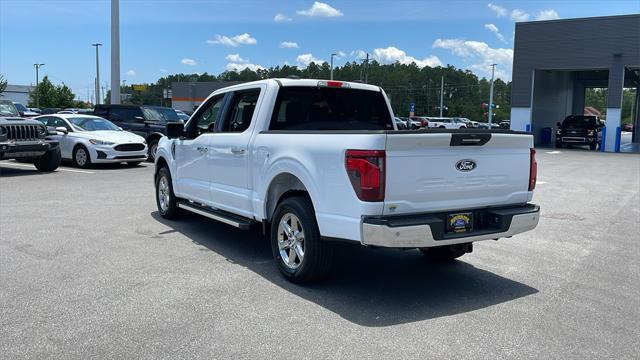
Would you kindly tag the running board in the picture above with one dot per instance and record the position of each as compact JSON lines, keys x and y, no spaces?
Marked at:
{"x":218,"y":215}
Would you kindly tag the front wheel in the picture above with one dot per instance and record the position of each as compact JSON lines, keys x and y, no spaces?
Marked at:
{"x":447,"y":252}
{"x":297,"y":248}
{"x":165,"y":198}
{"x":81,"y":157}
{"x":153,"y":149}
{"x":49,"y":161}
{"x":593,"y":146}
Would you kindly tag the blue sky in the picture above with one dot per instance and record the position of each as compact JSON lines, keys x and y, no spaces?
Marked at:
{"x":171,"y":36}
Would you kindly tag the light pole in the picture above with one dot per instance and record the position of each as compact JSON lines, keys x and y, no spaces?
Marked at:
{"x":97,"y":74}
{"x":37,"y":66}
{"x":332,"y":55}
{"x":115,"y":51}
{"x":441,"y":94}
{"x":493,"y":71}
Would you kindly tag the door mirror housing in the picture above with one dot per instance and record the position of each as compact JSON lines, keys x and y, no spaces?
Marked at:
{"x":175,"y":130}
{"x":62,"y":129}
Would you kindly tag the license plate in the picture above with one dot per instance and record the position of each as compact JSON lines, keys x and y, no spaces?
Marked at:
{"x":460,"y":222}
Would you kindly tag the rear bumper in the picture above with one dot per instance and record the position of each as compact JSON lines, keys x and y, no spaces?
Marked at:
{"x":428,"y":230}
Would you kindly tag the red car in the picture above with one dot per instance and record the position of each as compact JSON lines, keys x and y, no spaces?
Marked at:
{"x":627,"y":127}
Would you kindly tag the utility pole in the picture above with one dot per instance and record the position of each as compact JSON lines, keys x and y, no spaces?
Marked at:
{"x":332,"y":55}
{"x":493,"y":70}
{"x":115,"y":51}
{"x":37,"y":66}
{"x":97,"y":45}
{"x":366,"y":71}
{"x":441,"y":94}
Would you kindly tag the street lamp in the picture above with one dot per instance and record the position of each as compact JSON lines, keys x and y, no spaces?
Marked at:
{"x":97,"y":74}
{"x":332,"y":55}
{"x":37,"y":66}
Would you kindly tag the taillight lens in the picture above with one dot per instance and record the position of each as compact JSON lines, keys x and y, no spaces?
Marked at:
{"x":366,"y":171}
{"x":533,"y":170}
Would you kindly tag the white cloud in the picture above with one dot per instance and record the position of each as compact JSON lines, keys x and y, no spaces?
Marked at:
{"x":518,"y":15}
{"x":320,"y":9}
{"x":359,"y":54}
{"x":494,"y":29}
{"x":480,"y":56}
{"x":237,"y":67}
{"x":392,"y":54}
{"x":499,"y":10}
{"x":234,"y":41}
{"x":131,"y":72}
{"x":288,"y":45}
{"x":189,"y":62}
{"x":305,"y":59}
{"x":237,"y":63}
{"x":235,"y":58}
{"x":280,"y":18}
{"x":547,"y":15}
{"x":341,"y":54}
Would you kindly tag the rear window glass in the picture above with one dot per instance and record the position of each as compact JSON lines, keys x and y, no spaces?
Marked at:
{"x":160,"y":113}
{"x":318,"y":108}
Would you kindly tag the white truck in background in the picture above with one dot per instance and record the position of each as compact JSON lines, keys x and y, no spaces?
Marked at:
{"x":318,"y":161}
{"x":447,"y":123}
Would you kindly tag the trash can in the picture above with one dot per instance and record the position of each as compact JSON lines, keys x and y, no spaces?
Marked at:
{"x":546,"y":135}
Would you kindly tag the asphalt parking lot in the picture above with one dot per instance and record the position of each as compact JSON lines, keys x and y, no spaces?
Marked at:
{"x":89,"y":269}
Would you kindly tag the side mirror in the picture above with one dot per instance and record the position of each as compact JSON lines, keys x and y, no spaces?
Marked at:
{"x":62,"y":129}
{"x":175,"y":130}
{"x":559,"y":125}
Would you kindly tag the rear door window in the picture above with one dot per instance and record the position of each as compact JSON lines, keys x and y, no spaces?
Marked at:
{"x":241,"y":111}
{"x":324,"y":108}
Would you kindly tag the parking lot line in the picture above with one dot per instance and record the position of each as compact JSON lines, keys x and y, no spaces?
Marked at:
{"x":61,"y":169}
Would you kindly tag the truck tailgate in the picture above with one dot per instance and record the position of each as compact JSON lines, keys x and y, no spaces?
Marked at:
{"x":455,"y":170}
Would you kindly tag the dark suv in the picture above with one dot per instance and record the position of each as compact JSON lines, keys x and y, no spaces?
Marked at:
{"x":147,"y":121}
{"x":26,"y":140}
{"x":579,"y":130}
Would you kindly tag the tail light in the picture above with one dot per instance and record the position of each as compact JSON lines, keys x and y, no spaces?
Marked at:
{"x":336,"y":84}
{"x":533,"y":170}
{"x":366,"y":171}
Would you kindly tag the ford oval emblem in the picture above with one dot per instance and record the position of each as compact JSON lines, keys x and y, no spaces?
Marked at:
{"x":465,"y":165}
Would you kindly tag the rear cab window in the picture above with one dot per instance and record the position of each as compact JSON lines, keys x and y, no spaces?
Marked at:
{"x":327,"y":108}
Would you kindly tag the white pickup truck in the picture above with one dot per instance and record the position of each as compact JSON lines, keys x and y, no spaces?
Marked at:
{"x":320,"y":161}
{"x":447,"y":123}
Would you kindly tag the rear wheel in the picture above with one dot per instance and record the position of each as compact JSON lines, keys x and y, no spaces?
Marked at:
{"x":447,"y":252}
{"x":593,"y":146}
{"x":81,"y":157}
{"x":442,"y":127}
{"x":49,"y":161}
{"x":300,"y":253}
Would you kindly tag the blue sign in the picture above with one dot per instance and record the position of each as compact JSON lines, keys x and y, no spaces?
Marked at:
{"x":412,"y":107}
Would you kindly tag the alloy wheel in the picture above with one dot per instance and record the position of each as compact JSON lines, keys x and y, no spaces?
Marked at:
{"x":291,"y":240}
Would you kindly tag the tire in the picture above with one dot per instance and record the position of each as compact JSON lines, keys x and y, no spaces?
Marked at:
{"x":297,"y":212}
{"x":441,"y":127}
{"x":81,"y":157}
{"x":133,"y":163}
{"x":446,"y":253}
{"x":153,"y":148}
{"x":49,"y":161}
{"x":593,"y":146}
{"x":559,"y":145}
{"x":166,"y":199}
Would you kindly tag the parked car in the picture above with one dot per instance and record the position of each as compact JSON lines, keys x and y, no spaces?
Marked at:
{"x":26,"y":140}
{"x":182,"y":115}
{"x":401,"y":124}
{"x":24,"y":111}
{"x":463,"y":120}
{"x":315,"y":161}
{"x":47,"y":111}
{"x":147,"y":121}
{"x":446,"y":123}
{"x":421,"y":121}
{"x":505,"y":124}
{"x":627,"y":127}
{"x":579,"y":130}
{"x":86,"y":140}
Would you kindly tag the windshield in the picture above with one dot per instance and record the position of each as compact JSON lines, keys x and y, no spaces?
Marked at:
{"x":579,"y":121}
{"x":160,"y":113}
{"x":8,"y":109}
{"x":92,"y":124}
{"x":20,"y":107}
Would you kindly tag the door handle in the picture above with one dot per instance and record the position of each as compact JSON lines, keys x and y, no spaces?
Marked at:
{"x":202,"y":149}
{"x":238,"y":151}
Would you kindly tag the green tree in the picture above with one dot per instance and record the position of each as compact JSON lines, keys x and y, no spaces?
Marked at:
{"x":51,"y":96}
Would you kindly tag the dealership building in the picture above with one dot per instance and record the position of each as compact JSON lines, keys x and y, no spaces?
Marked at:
{"x":187,"y":96}
{"x":556,"y":60}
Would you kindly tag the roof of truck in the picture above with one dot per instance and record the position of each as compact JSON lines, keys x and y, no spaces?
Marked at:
{"x":302,"y":82}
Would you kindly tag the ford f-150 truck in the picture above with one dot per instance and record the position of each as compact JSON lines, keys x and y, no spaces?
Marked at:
{"x":320,"y":161}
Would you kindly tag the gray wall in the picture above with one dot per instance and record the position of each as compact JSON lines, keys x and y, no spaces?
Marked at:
{"x":552,"y":100}
{"x":608,"y":43}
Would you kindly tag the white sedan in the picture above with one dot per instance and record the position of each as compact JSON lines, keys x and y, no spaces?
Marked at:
{"x":88,"y":139}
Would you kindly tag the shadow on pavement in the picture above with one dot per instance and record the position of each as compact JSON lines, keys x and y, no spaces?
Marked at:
{"x":9,"y":171}
{"x":369,"y":287}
